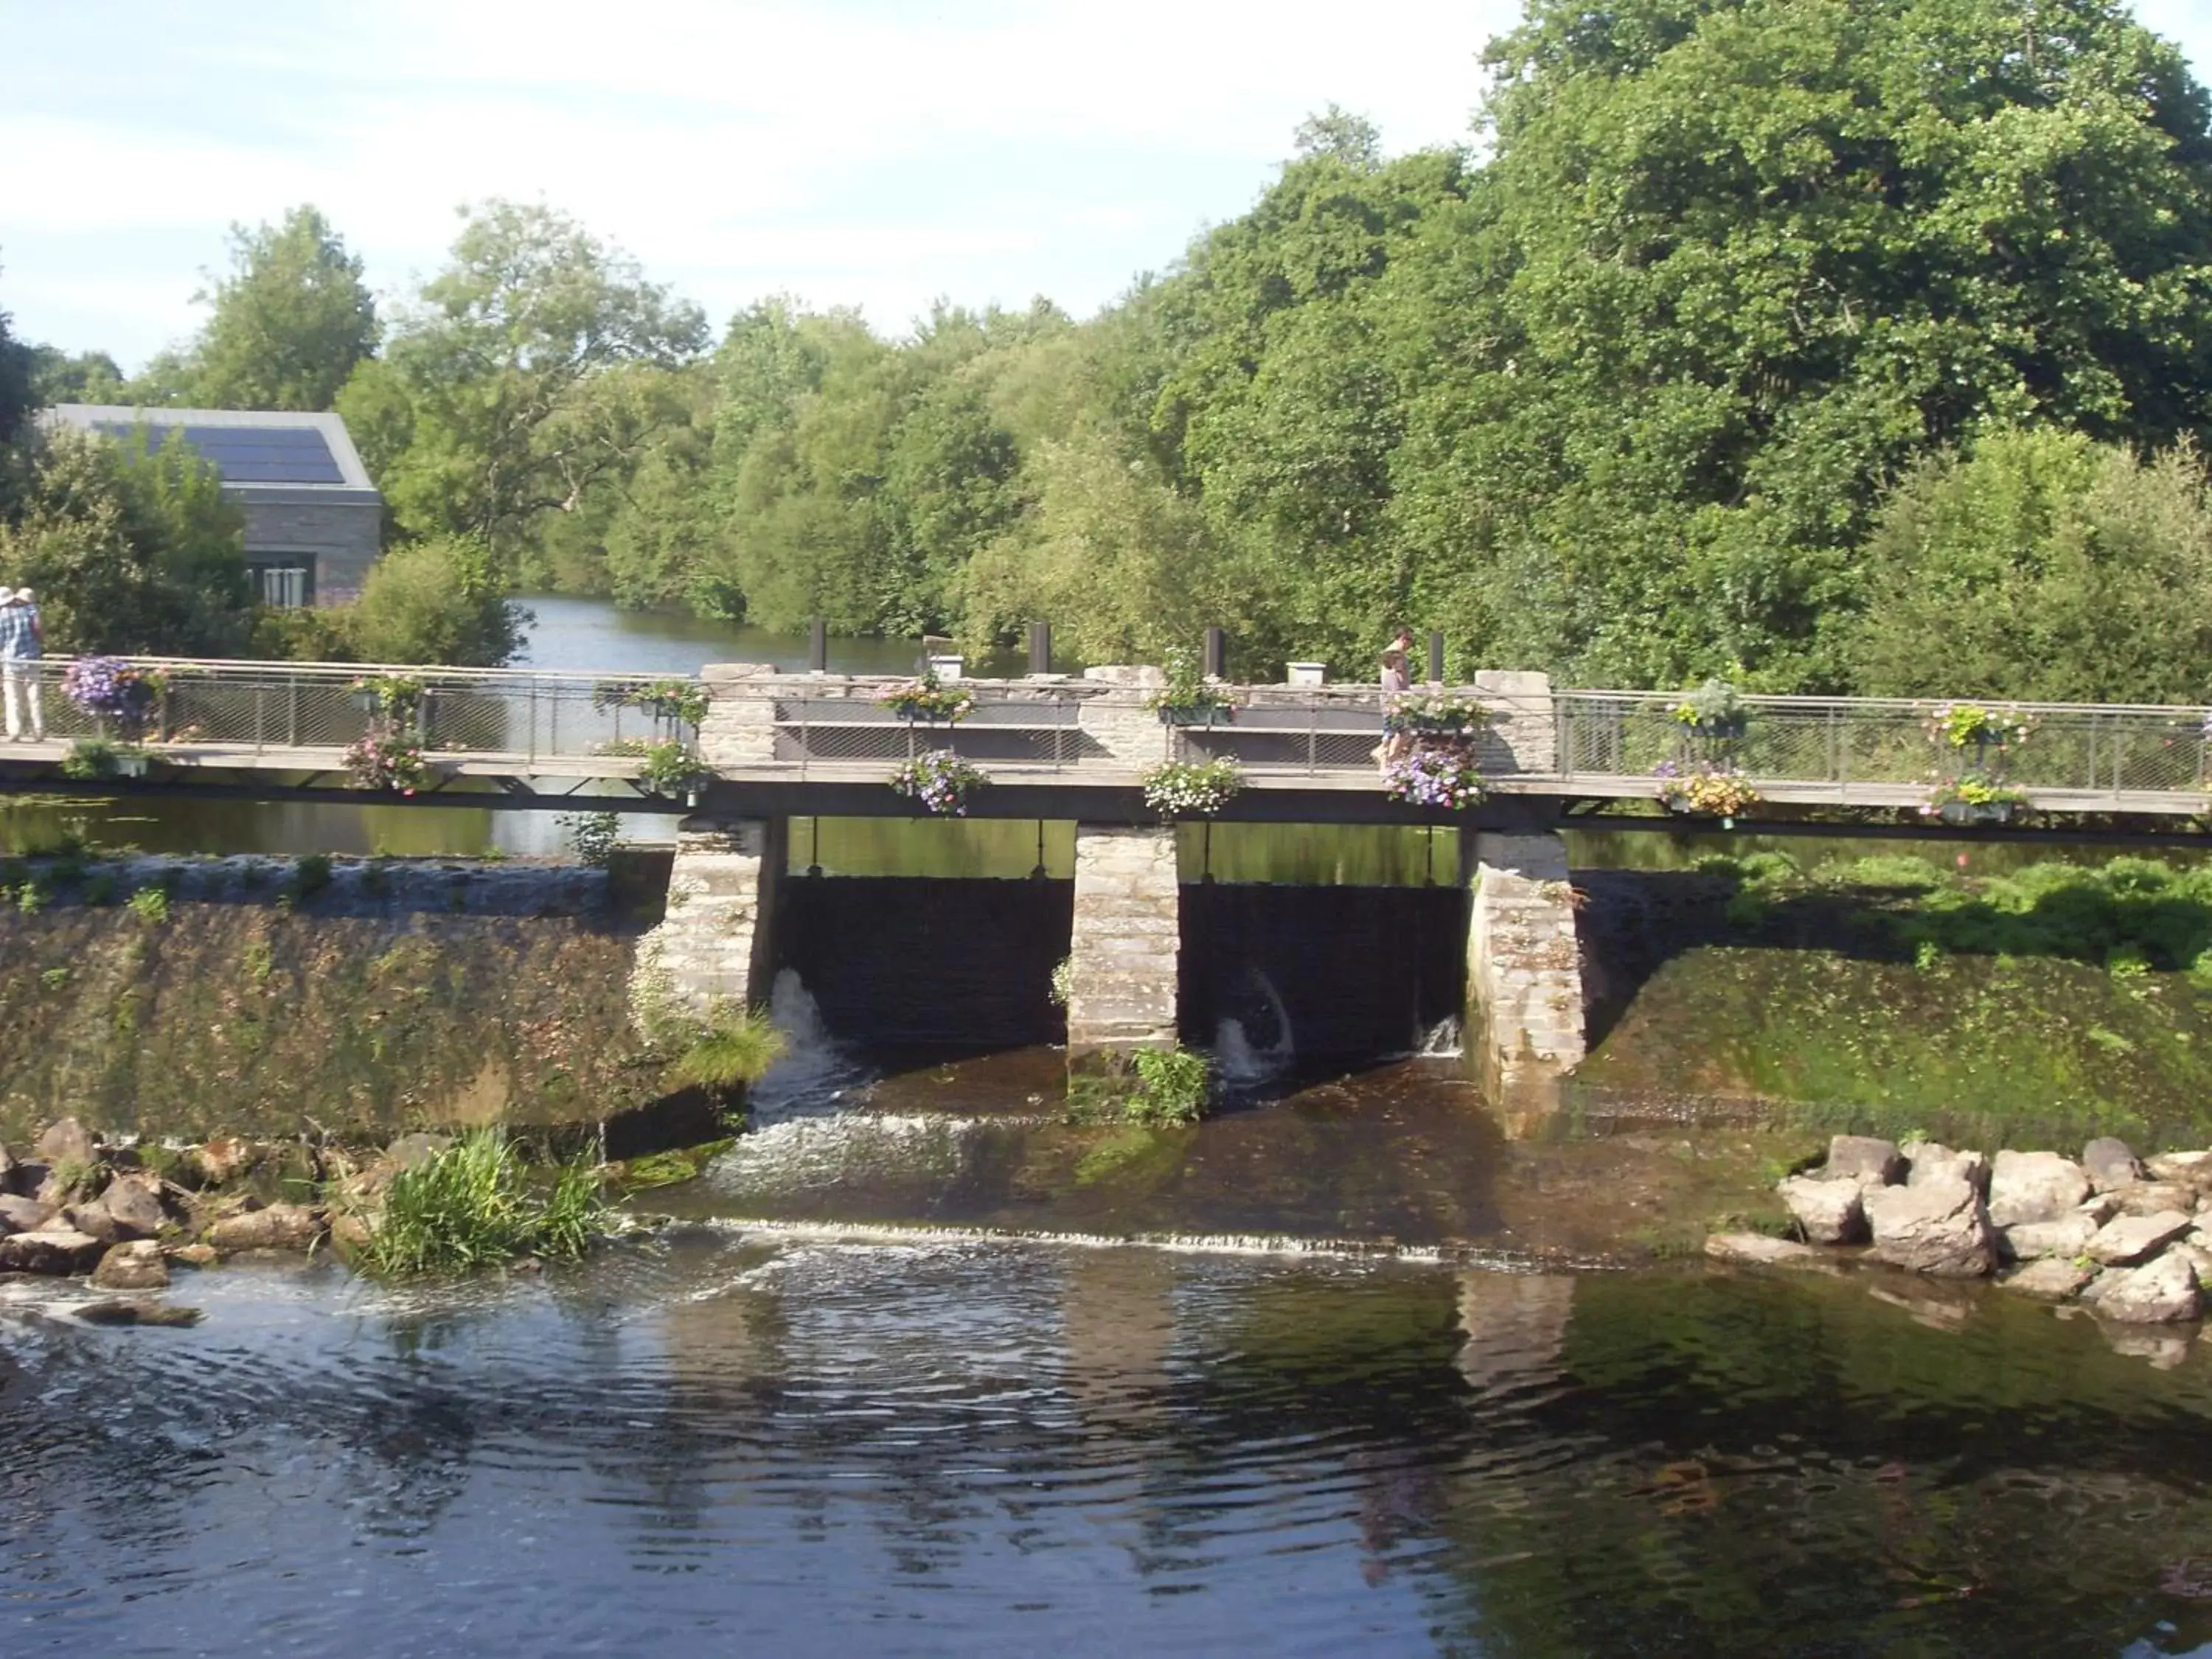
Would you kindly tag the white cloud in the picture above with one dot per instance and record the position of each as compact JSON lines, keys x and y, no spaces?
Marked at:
{"x":864,"y":151}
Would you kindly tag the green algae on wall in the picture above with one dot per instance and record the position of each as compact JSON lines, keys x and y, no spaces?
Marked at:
{"x":1983,"y":1050}
{"x":246,"y":1017}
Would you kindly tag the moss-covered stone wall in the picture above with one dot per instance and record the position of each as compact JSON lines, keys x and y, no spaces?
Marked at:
{"x":251,"y":1007}
{"x":2033,"y":1010}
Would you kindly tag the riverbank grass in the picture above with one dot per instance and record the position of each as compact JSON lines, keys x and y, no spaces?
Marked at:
{"x":733,"y":1048}
{"x":475,"y":1204}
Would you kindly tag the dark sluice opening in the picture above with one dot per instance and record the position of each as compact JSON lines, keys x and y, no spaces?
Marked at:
{"x":1359,"y":973}
{"x":928,"y":962}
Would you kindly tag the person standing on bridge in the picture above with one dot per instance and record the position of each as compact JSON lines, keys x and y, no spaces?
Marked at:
{"x":1397,"y":680}
{"x":22,"y":640}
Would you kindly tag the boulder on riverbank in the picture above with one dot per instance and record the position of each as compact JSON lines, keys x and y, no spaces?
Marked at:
{"x":2028,"y":1187}
{"x":134,"y":1266}
{"x":2161,"y":1292}
{"x":275,"y":1227}
{"x":53,"y":1250}
{"x":2127,"y":1240}
{"x":1829,"y":1212}
{"x":1928,"y":1162}
{"x":2049,"y":1279}
{"x":1864,"y":1159}
{"x":1941,"y":1228}
{"x":2111,"y":1163}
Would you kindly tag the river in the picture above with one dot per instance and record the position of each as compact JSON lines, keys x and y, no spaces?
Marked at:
{"x":722,"y":1440}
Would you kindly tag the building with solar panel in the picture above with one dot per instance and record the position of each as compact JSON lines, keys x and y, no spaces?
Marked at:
{"x":315,"y":522}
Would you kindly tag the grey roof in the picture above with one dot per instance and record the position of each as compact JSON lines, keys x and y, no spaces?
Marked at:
{"x":263,"y":454}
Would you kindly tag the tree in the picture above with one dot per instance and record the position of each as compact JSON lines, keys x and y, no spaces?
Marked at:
{"x":289,"y":323}
{"x":506,"y":362}
{"x":2043,"y":565}
{"x":1737,"y":262}
{"x":437,"y":601}
{"x":87,"y":377}
{"x":130,"y":548}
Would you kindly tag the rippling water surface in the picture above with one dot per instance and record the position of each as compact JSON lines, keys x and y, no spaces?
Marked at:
{"x":802,"y":1445}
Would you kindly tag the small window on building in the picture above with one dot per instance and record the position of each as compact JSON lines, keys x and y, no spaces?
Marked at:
{"x":283,"y":584}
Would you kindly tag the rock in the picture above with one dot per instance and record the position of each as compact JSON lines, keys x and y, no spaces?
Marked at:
{"x":220,"y":1162}
{"x":1757,"y":1250}
{"x":279,"y":1227}
{"x":68,"y":1142}
{"x":133,"y":1266}
{"x":135,"y":1202}
{"x":2051,"y":1279}
{"x":1941,"y":1228}
{"x":2199,"y":1258}
{"x":7,"y":1168}
{"x":22,"y":1215}
{"x":408,"y":1150}
{"x":1929,"y":1162}
{"x":137,"y":1310}
{"x":2157,"y":1294}
{"x":2066,"y":1237}
{"x":2154,"y":1197}
{"x":2111,"y":1163}
{"x":50,"y":1250}
{"x":192,"y":1255}
{"x":2099,"y":1207}
{"x":349,"y":1232}
{"x":2126,"y":1239}
{"x":1863,"y":1158}
{"x":2033,"y":1187}
{"x":29,"y":1179}
{"x":1828,"y":1210}
{"x":2194,"y":1168}
{"x":91,"y":1218}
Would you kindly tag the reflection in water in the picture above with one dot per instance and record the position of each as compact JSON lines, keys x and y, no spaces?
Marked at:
{"x":960,"y":1448}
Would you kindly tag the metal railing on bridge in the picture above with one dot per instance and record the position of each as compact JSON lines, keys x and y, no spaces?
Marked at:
{"x":521,"y":716}
{"x":1874,"y":745}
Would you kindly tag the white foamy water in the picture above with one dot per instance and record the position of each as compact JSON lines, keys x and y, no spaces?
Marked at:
{"x":1240,"y":1062}
{"x":816,"y":1071}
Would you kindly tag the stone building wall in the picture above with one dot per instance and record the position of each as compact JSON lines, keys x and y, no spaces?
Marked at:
{"x":343,"y":539}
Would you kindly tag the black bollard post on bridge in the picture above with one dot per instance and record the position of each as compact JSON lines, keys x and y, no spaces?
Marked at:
{"x":1436,"y":656}
{"x":1040,"y":648}
{"x":1217,"y":653}
{"x":817,"y":647}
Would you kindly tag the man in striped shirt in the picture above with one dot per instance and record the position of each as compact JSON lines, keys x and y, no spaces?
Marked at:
{"x":21,"y":641}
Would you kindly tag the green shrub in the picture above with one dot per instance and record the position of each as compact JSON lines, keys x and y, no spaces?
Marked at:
{"x":1172,"y":1085}
{"x":475,"y":1204}
{"x":593,"y":836}
{"x":310,"y":875}
{"x":150,"y":905}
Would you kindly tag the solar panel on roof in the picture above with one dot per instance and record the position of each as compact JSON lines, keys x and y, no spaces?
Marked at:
{"x":252,"y":454}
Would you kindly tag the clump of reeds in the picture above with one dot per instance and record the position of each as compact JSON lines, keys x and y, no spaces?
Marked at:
{"x":734,"y":1047}
{"x":476,"y":1204}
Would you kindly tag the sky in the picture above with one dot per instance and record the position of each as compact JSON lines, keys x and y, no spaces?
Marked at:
{"x":877,"y":153}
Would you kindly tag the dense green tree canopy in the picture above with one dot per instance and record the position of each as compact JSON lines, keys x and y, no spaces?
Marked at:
{"x":290,"y":321}
{"x":131,"y":548}
{"x":519,"y":379}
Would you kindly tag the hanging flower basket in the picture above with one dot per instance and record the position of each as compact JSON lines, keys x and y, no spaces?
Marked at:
{"x":1705,"y":792}
{"x":940,"y":782}
{"x":1435,"y":774}
{"x":672,"y":768}
{"x":1714,"y":712}
{"x":1974,"y":798}
{"x":1177,"y":789}
{"x":118,"y":694}
{"x":929,"y":701}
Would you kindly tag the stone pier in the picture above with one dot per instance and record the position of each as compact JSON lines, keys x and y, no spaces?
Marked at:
{"x":712,"y":944}
{"x":1524,"y":982}
{"x":1126,"y":942}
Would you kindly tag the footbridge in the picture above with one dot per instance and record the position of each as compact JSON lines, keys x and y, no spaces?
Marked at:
{"x":737,"y":751}
{"x":1062,"y":746}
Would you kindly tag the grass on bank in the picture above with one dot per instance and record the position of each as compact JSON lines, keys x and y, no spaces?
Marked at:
{"x":731,"y":1047}
{"x":1151,"y":1089}
{"x":478,"y":1205}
